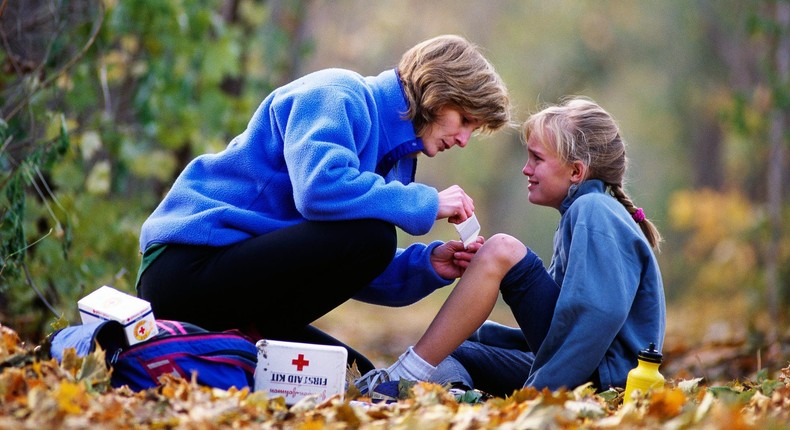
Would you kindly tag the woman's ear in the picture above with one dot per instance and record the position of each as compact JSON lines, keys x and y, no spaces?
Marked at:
{"x":579,"y":172}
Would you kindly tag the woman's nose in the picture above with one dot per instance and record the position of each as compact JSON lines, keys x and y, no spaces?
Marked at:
{"x":462,"y":138}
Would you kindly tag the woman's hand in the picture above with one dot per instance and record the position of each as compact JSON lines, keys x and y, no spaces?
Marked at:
{"x":455,"y":205}
{"x":451,"y":259}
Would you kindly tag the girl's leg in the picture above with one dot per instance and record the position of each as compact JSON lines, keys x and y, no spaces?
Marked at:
{"x":472,"y":300}
{"x":532,"y":294}
{"x":495,"y":370}
{"x":502,"y":263}
{"x":498,"y":359}
{"x":495,"y":334}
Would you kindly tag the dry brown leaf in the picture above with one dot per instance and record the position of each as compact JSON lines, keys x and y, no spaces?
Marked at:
{"x":36,"y":393}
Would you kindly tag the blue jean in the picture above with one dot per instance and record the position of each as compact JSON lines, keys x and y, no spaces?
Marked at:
{"x":495,"y":360}
{"x":498,"y":359}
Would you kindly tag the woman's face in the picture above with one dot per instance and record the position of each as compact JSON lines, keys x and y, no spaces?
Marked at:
{"x":452,"y":127}
{"x":549,"y":177}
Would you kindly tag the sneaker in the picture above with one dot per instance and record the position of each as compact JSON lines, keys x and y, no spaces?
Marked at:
{"x":377,"y":385}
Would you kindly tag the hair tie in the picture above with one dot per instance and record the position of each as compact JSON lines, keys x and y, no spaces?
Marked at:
{"x":638,"y":215}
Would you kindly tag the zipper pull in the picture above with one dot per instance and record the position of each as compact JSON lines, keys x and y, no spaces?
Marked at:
{"x":114,"y":358}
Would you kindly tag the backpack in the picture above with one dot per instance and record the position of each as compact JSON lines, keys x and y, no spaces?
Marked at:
{"x":219,"y":359}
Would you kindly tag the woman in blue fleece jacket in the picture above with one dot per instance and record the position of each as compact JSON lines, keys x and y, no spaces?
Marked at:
{"x":298,"y":214}
{"x":584,"y":319}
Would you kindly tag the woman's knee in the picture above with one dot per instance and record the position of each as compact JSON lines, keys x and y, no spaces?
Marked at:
{"x":379,"y":237}
{"x":380,"y":231}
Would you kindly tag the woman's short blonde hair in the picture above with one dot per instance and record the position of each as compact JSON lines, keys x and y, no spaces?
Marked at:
{"x":450,"y":71}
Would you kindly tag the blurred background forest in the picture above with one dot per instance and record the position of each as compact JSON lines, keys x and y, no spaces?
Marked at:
{"x":105,"y":101}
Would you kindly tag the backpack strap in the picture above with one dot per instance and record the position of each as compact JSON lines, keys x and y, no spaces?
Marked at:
{"x":171,"y":327}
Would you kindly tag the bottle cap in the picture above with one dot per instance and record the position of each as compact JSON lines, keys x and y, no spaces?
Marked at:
{"x":651,"y":354}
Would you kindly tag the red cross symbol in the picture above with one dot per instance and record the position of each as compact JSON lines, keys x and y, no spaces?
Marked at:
{"x":300,"y":362}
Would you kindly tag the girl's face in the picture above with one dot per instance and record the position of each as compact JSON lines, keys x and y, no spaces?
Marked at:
{"x":549,"y":177}
{"x":451,"y":128}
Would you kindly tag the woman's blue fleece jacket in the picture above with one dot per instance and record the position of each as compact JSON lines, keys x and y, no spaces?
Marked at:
{"x":312,"y":151}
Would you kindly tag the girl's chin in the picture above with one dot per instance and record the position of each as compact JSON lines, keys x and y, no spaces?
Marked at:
{"x":536,"y":200}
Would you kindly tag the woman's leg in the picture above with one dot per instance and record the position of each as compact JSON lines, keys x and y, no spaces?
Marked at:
{"x":275,"y":284}
{"x":311,"y":334}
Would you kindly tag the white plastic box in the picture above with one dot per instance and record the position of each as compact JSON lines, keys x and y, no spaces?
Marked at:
{"x":295,"y":370}
{"x":107,"y":303}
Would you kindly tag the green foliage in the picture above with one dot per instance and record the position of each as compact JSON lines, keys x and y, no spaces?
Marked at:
{"x":130,"y":92}
{"x":15,"y":179}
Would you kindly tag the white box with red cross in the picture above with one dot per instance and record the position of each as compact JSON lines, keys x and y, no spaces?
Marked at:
{"x":107,"y":303}
{"x":295,"y":370}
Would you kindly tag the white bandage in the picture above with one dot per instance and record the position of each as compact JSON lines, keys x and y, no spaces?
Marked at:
{"x":468,"y":230}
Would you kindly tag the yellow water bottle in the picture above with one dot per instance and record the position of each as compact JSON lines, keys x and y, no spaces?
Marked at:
{"x":645,"y":376}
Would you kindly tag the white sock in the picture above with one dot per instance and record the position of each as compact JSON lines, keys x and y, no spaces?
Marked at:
{"x":411,"y":366}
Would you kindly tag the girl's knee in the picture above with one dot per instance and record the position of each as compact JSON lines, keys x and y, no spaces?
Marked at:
{"x":503,"y":250}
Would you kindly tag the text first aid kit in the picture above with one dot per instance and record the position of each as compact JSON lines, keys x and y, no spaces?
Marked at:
{"x":107,"y":303}
{"x":295,"y":370}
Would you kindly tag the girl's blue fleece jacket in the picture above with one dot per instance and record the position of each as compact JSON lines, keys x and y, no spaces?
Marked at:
{"x":611,"y":302}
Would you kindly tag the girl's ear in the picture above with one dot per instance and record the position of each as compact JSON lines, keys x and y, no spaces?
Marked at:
{"x":579,"y":172}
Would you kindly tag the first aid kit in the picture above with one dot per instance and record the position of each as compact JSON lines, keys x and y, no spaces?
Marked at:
{"x":109,"y":304}
{"x":295,"y":370}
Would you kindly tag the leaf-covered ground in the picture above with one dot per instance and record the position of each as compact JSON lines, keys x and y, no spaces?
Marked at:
{"x":36,"y":392}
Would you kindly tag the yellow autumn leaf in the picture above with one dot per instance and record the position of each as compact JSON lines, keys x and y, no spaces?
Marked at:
{"x":666,"y":403}
{"x":71,"y":362}
{"x":71,"y":397}
{"x":94,"y":371}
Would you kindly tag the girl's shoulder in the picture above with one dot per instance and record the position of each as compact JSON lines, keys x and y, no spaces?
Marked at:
{"x":597,"y":209}
{"x":594,"y":202}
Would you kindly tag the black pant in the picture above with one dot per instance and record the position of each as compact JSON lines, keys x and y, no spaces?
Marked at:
{"x":272,"y":286}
